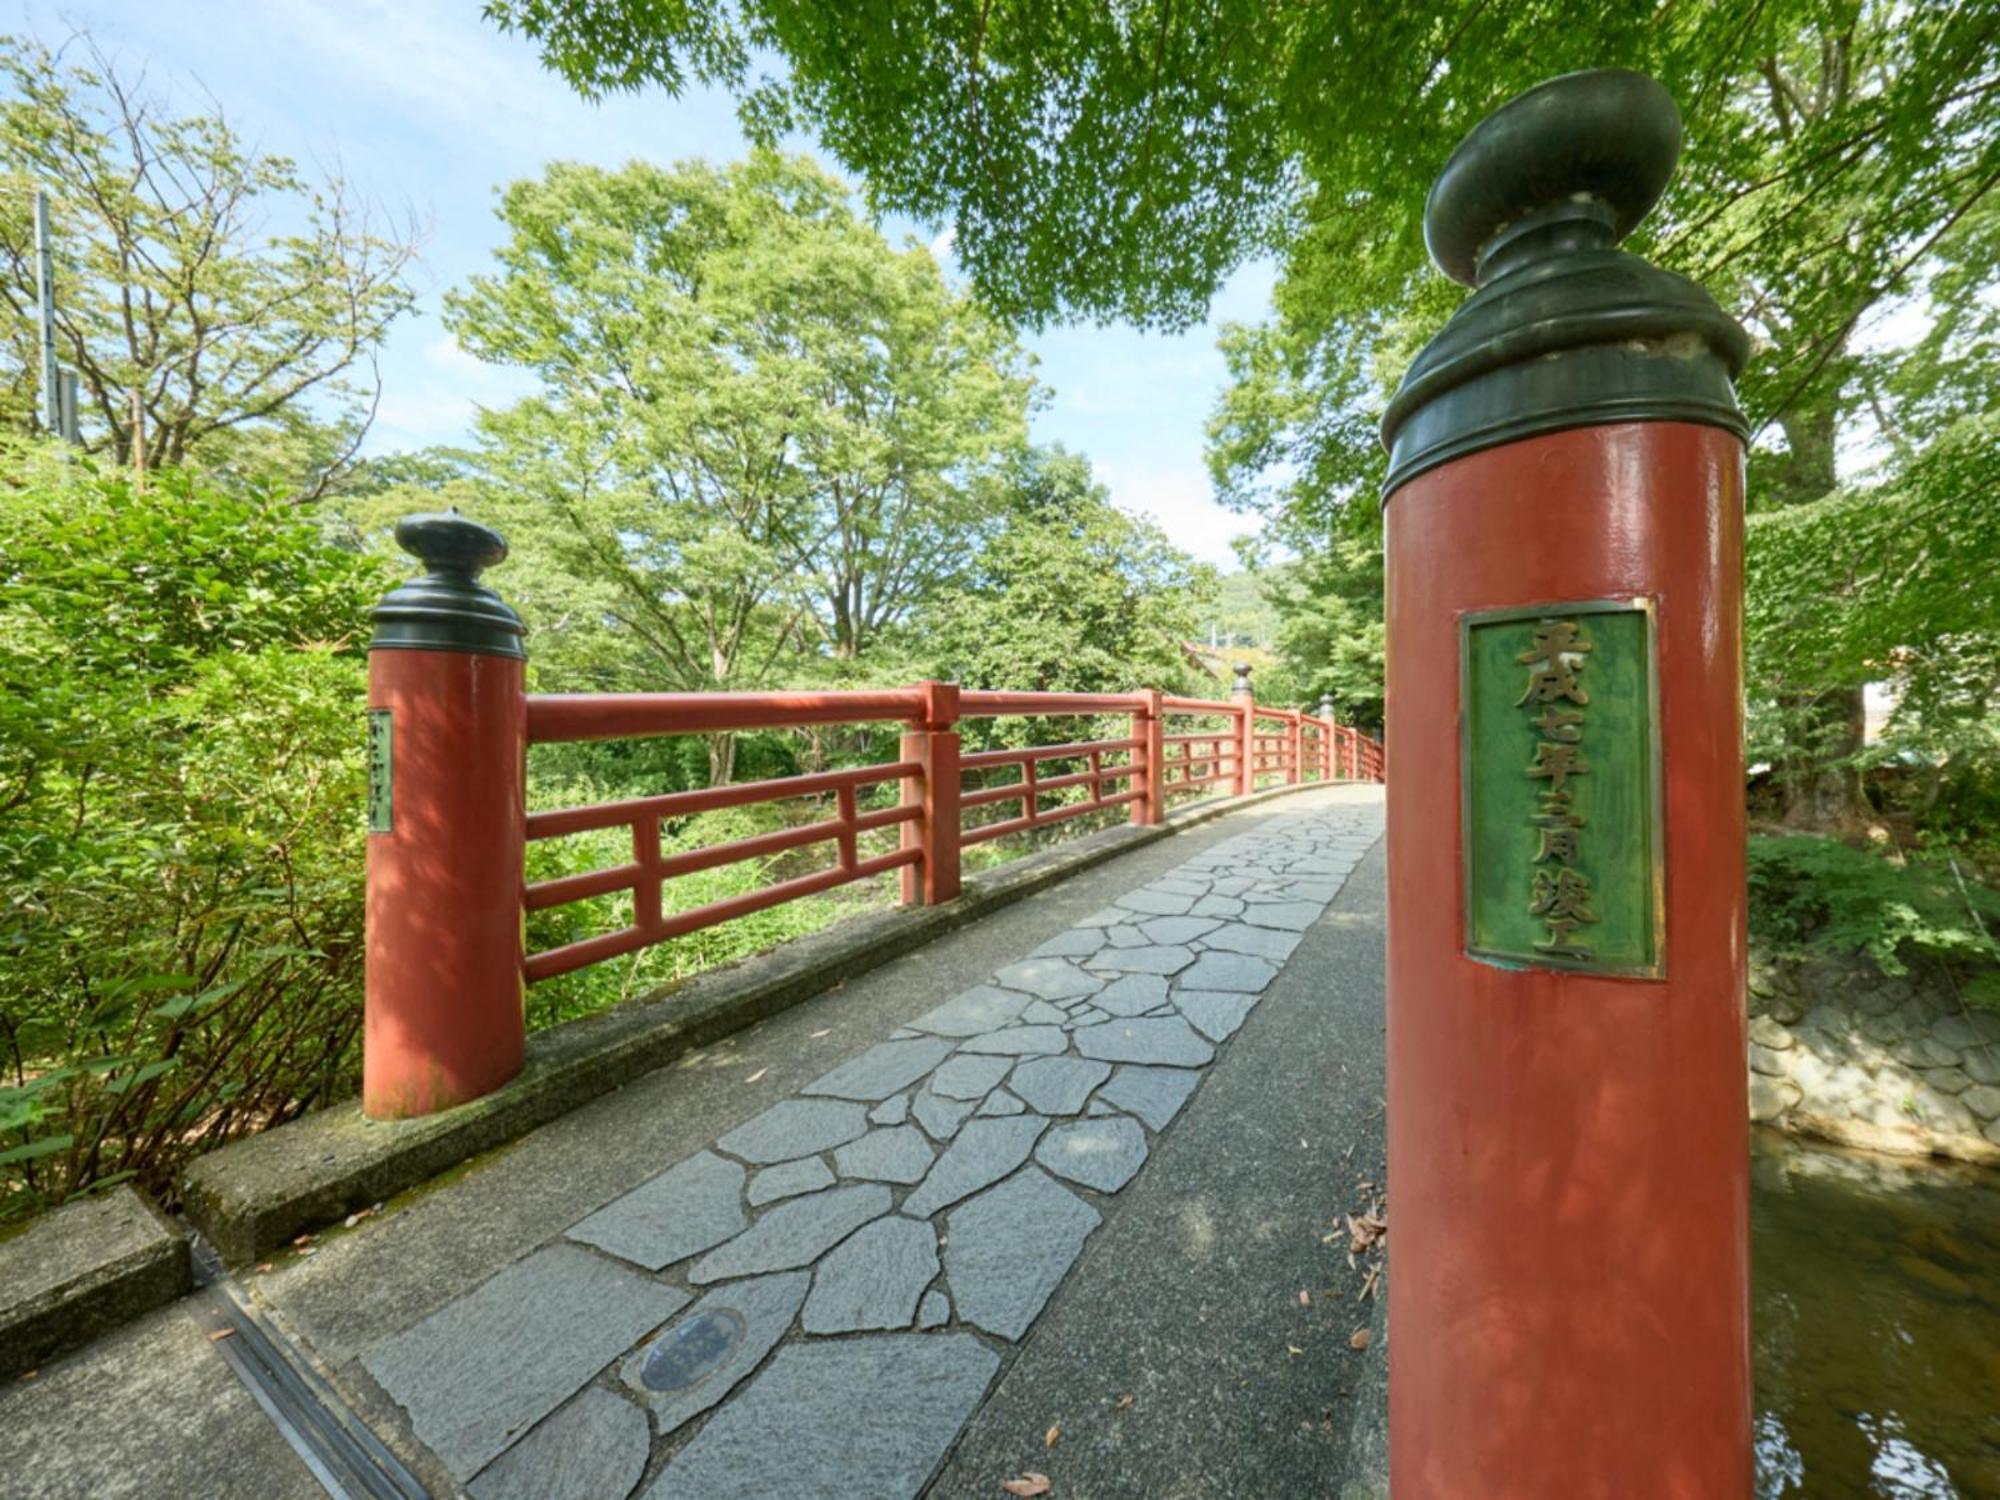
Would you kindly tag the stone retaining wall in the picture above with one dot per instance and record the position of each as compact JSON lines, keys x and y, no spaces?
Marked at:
{"x":1840,"y":1051}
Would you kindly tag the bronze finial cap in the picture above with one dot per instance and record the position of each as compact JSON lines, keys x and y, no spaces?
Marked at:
{"x":448,"y":609}
{"x":1565,"y":330}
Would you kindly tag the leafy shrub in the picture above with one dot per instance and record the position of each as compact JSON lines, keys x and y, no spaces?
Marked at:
{"x":1820,"y":895}
{"x":181,"y":829}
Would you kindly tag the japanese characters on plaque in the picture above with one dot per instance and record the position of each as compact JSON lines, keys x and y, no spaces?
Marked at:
{"x":1561,"y":768}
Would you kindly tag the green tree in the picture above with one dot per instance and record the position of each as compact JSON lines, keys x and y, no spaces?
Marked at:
{"x":235,"y":300}
{"x":1841,"y":158}
{"x":764,"y":436}
{"x":1070,"y":594}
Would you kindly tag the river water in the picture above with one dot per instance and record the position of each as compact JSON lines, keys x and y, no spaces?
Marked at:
{"x":1877,"y":1325}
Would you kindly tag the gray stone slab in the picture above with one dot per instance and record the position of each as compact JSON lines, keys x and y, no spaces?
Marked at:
{"x":1166,"y":1039}
{"x":865,"y":1417}
{"x":1042,"y":1013}
{"x":787,"y":1180}
{"x":1321,"y":891}
{"x":794,"y":1233}
{"x":1006,"y":1250}
{"x":691,"y":1207}
{"x":1214,"y":1013}
{"x":970,"y":1075}
{"x":702,"y":1356}
{"x":1058,"y":1085}
{"x":897,"y":1154}
{"x":1088,"y":1015}
{"x":1107,"y":916}
{"x":1155,"y":1095}
{"x":892,"y":1111}
{"x":1098,"y":1107}
{"x":934,"y":1311}
{"x":1290,"y":916}
{"x":593,"y":1449}
{"x":1000,"y":1102}
{"x":1126,"y":937}
{"x":1048,"y":979}
{"x":1154,"y":958}
{"x":940,"y":1118}
{"x":885,"y":1069}
{"x":986,"y":1150}
{"x":1133,"y":995}
{"x":874,"y":1279}
{"x":795,"y":1128}
{"x":1019,"y":1041}
{"x":483,"y":1369}
{"x":1182,"y":882}
{"x":1237,"y":972}
{"x":1217,"y":906}
{"x":1260,"y":942}
{"x":1078,"y":942}
{"x":1155,"y":903}
{"x":978,"y":1009}
{"x":1101,"y":1154}
{"x":1178,"y":929}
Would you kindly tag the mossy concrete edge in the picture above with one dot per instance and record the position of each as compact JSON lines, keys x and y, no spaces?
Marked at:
{"x":83,"y":1270}
{"x":255,"y":1195}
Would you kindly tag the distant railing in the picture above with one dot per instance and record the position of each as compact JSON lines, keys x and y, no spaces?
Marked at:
{"x":1139,"y":771}
{"x":449,"y":826}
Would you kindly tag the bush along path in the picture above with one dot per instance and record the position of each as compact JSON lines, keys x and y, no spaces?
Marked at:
{"x":818,"y":1301}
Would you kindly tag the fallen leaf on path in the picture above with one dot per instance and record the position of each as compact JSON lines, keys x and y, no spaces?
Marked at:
{"x":756,"y":1075}
{"x":818,"y":1034}
{"x":1305,"y":1299}
{"x":220,"y":1334}
{"x":28,"y":1374}
{"x":1361,"y":1339}
{"x":1030,"y":1483}
{"x":1124,"y":1403}
{"x":263,"y":1265}
{"x":1294,"y":1350}
{"x":1049,"y":1437}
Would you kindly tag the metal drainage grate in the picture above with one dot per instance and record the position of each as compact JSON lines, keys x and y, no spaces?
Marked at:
{"x":689,"y":1354}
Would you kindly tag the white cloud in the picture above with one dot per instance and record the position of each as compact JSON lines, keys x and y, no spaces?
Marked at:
{"x":943,"y":245}
{"x":1181,"y":502}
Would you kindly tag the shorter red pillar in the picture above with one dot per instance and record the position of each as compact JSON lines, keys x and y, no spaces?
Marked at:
{"x":1295,"y":758}
{"x":934,"y":792}
{"x":1245,"y":703}
{"x":1148,"y":760}
{"x":447,"y":727}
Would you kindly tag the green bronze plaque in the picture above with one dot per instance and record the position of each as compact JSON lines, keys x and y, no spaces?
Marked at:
{"x":381,"y":773}
{"x":1561,"y":764}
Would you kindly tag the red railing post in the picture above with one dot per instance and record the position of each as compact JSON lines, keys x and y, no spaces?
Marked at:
{"x":933,"y":744}
{"x":1245,"y":700}
{"x":1326,"y":738}
{"x":447,"y":809}
{"x":1148,"y":761}
{"x":1295,"y":747}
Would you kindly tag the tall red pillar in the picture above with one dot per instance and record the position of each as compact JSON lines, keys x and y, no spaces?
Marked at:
{"x":447,"y":729}
{"x":1569,"y":1308}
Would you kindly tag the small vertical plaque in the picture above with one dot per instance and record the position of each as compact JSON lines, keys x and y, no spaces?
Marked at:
{"x":1561,"y":766}
{"x":381,"y":772}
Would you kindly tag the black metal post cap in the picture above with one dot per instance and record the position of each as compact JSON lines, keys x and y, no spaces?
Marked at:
{"x":448,"y":609}
{"x":1593,"y":148}
{"x":1565,"y":330}
{"x":1240,"y":688}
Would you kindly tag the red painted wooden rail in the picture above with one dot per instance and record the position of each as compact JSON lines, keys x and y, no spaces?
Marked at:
{"x":1140,"y":771}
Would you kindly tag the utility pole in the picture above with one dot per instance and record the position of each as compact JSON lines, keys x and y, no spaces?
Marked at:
{"x":45,"y":316}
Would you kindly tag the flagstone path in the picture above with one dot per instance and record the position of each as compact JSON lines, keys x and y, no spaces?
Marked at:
{"x":889,"y":1231}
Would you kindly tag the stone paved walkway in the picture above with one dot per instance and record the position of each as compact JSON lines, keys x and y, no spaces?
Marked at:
{"x":888,"y":1231}
{"x":980,"y":1189}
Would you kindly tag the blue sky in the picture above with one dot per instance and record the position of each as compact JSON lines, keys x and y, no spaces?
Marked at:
{"x":423,"y":106}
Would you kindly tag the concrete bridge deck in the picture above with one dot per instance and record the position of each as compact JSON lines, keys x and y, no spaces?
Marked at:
{"x":1056,"y":1194}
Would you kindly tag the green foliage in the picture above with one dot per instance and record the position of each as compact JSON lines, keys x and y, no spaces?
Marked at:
{"x":231,"y":294}
{"x":1891,"y":582}
{"x":1810,"y":894}
{"x":1069,"y":595}
{"x":181,"y":785}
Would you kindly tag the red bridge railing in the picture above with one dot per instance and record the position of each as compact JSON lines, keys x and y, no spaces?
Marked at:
{"x":939,"y":799}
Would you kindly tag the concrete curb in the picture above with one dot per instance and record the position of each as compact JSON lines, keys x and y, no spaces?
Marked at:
{"x":86,"y":1268}
{"x":256,"y":1194}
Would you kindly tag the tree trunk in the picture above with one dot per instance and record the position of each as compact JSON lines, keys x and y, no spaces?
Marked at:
{"x":721,"y":758}
{"x":1818,"y":784}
